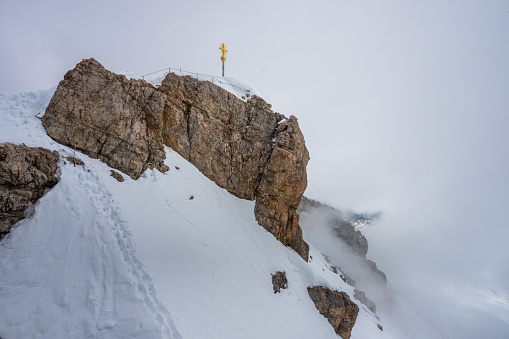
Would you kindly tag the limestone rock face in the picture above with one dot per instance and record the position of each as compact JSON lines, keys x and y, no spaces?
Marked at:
{"x":227,"y":139}
{"x":108,"y":117}
{"x":283,"y":182}
{"x":244,"y":147}
{"x":25,"y":173}
{"x":337,"y":307}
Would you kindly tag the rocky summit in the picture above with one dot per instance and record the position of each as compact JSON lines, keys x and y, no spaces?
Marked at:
{"x":244,"y":147}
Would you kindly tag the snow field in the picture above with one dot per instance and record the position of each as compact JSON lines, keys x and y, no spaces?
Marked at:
{"x":140,"y":259}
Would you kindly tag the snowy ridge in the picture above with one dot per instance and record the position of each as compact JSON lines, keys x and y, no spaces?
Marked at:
{"x":240,"y":89}
{"x":142,"y":259}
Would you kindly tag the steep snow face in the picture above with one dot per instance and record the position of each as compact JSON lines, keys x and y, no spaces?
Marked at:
{"x":166,"y":256}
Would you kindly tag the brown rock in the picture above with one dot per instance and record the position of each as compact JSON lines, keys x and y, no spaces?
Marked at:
{"x":337,"y":307}
{"x":283,"y":182}
{"x":243,"y":147}
{"x":25,"y":173}
{"x":228,"y":140}
{"x":117,"y":176}
{"x":108,"y":117}
{"x":74,"y":161}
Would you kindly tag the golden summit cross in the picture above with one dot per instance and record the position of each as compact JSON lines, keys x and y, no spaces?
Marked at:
{"x":223,"y":54}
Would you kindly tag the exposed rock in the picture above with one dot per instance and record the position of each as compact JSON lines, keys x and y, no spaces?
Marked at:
{"x":244,"y":147}
{"x":283,"y":182}
{"x":25,"y":173}
{"x":108,"y":117}
{"x":74,"y":161}
{"x":337,"y":307}
{"x":347,"y":279}
{"x":228,"y":140}
{"x":279,"y":281}
{"x":361,"y":296}
{"x":380,"y":327}
{"x":117,"y":176}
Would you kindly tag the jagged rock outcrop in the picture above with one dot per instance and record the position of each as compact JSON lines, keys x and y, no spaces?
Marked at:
{"x":337,"y":307}
{"x":25,"y":173}
{"x":243,"y":147}
{"x":108,"y":117}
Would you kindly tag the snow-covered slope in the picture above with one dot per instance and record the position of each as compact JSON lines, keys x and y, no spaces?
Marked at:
{"x":170,"y":255}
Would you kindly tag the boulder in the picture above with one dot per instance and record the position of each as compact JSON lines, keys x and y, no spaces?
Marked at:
{"x":337,"y":307}
{"x":279,"y":281}
{"x":25,"y":174}
{"x":106,"y":116}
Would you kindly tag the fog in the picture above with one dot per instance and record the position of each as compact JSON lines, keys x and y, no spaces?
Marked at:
{"x":404,"y":107}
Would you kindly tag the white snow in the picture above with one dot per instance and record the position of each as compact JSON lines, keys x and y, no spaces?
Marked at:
{"x":240,"y":89}
{"x":140,"y":259}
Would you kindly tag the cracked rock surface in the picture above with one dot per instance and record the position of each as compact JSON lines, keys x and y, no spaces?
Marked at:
{"x":108,"y":117}
{"x":244,"y":147}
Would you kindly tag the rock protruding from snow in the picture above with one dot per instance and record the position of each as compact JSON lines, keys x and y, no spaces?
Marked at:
{"x":337,"y":307}
{"x":108,"y":117}
{"x":25,"y":173}
{"x":244,"y":147}
{"x":279,"y":281}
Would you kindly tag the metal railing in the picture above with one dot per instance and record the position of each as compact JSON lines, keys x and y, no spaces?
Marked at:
{"x":203,"y":76}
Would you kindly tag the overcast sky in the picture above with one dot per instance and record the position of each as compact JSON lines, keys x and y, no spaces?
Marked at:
{"x":404,"y":106}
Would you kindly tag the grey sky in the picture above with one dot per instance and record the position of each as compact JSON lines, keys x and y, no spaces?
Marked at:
{"x":404,"y":106}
